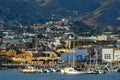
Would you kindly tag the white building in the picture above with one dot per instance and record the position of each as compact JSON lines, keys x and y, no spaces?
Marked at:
{"x":7,"y":34}
{"x":17,"y":41}
{"x":116,"y":55}
{"x":69,"y":35}
{"x":102,"y":37}
{"x":118,"y":43}
{"x":57,"y":41}
{"x":110,"y":54}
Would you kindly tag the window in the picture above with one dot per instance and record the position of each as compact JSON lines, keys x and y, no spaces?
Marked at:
{"x":107,"y":56}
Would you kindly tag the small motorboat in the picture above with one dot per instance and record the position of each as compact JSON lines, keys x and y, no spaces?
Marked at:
{"x":30,"y":69}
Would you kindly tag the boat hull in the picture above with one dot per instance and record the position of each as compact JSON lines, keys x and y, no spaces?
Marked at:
{"x":71,"y":71}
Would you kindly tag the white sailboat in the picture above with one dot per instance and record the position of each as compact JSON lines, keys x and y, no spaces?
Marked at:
{"x":99,"y":70}
{"x":72,"y":70}
{"x":91,"y":70}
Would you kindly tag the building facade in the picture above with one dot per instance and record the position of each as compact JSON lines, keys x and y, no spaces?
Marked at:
{"x":110,"y":54}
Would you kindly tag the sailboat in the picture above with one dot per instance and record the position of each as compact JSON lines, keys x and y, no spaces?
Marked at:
{"x":98,"y":69}
{"x":90,"y":70}
{"x":109,"y":68}
{"x":71,"y":70}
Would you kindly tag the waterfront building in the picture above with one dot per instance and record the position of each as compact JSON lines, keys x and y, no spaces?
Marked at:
{"x":118,"y":43}
{"x":23,"y":57}
{"x":80,"y":55}
{"x":9,"y":53}
{"x":110,"y":54}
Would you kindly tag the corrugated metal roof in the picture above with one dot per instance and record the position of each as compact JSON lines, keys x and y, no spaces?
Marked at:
{"x":82,"y":52}
{"x":80,"y":55}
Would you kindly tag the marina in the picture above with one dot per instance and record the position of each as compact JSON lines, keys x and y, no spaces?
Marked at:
{"x":16,"y":75}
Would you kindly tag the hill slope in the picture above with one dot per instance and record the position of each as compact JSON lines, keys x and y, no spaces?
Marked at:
{"x":107,"y":14}
{"x":91,"y":12}
{"x":28,"y":12}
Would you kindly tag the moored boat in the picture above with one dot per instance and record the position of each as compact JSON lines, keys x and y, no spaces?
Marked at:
{"x":52,"y":70}
{"x":30,"y":69}
{"x":71,"y":70}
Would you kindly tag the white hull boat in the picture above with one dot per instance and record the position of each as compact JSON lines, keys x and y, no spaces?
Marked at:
{"x":31,"y":69}
{"x":71,"y":71}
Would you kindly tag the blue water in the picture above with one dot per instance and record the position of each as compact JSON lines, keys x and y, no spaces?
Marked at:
{"x":15,"y":75}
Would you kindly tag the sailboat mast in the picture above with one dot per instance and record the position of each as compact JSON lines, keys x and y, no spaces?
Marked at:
{"x":74,"y":55}
{"x":90,"y":59}
{"x":35,"y":39}
{"x":96,"y":57}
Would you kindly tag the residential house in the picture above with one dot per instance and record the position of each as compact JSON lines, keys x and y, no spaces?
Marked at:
{"x":7,"y":34}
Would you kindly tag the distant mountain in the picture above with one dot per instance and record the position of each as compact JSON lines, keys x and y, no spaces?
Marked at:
{"x":28,"y":12}
{"x":107,"y":14}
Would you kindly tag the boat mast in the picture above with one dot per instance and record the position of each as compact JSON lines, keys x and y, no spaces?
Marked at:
{"x":74,"y":55}
{"x":90,"y":59}
{"x":96,"y":56}
{"x":35,"y":43}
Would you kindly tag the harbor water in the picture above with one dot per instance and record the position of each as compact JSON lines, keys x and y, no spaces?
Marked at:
{"x":16,"y":75}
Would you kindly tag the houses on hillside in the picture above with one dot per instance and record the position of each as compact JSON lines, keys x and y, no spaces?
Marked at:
{"x":60,"y":38}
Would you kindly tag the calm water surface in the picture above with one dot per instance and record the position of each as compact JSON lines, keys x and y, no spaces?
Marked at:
{"x":16,"y":75}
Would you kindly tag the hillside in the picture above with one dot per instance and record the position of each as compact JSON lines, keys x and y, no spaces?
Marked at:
{"x":28,"y":12}
{"x":90,"y":12}
{"x":107,"y":14}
